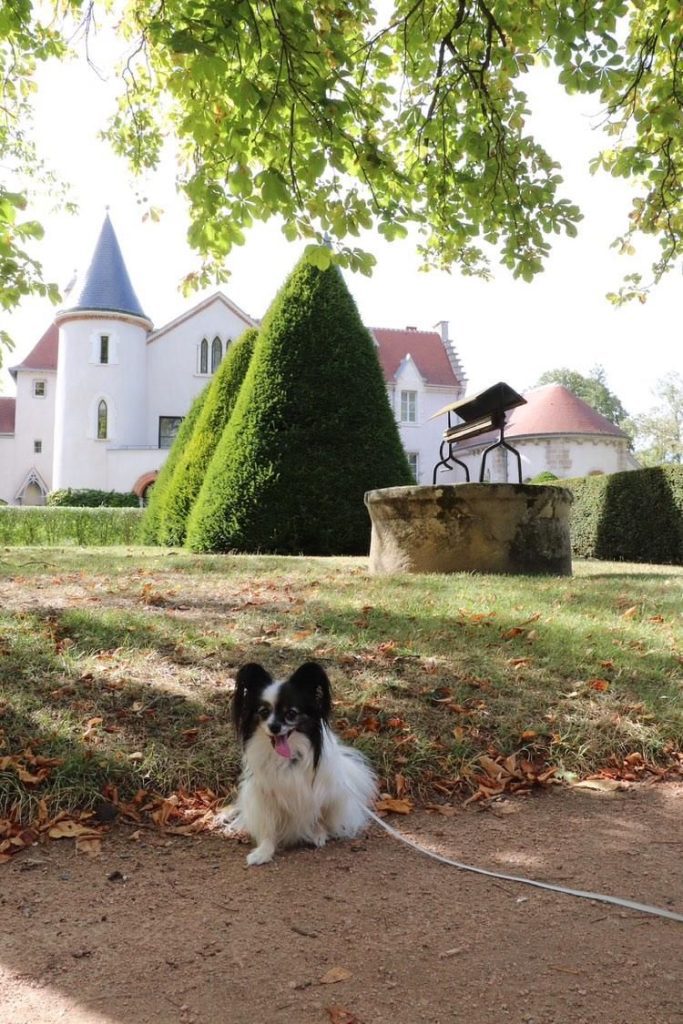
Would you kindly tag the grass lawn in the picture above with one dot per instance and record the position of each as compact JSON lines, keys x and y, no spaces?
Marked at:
{"x":116,"y":667}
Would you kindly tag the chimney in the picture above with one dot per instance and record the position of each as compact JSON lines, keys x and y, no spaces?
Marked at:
{"x":443,"y":330}
{"x":411,"y":328}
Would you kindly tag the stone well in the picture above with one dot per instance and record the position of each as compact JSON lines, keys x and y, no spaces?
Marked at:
{"x":498,"y":528}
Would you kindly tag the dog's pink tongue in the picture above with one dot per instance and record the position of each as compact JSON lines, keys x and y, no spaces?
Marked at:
{"x":282,"y":746}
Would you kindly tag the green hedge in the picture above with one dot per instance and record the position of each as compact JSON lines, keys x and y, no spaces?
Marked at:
{"x":154,"y":514}
{"x":192,"y":465}
{"x":629,"y":517}
{"x":312,"y":430}
{"x":88,"y":498}
{"x":86,"y":527}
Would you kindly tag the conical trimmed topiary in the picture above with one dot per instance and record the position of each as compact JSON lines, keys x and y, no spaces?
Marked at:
{"x":154,"y":513}
{"x":311,"y":431}
{"x":215,"y":413}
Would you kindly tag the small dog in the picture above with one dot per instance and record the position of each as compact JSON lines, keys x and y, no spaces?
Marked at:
{"x":299,"y":783}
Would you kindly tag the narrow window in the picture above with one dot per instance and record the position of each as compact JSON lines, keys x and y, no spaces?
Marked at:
{"x":37,"y":447}
{"x":413,"y":462}
{"x":102,"y":421}
{"x":204,"y":356}
{"x":168,"y":428}
{"x":216,"y":354}
{"x":409,"y":406}
{"x":104,"y":348}
{"x":39,"y":389}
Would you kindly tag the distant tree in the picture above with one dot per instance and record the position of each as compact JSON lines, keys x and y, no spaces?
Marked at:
{"x":154,"y":514}
{"x":659,"y":432}
{"x":592,"y":389}
{"x":191,"y":467}
{"x":311,"y":432}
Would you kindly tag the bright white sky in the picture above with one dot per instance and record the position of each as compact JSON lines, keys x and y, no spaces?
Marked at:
{"x":503,"y":330}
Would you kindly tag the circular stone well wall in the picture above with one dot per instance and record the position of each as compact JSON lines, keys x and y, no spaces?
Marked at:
{"x":498,"y":528}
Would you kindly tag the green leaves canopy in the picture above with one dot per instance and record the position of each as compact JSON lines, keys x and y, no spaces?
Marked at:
{"x":337,"y":119}
{"x":25,"y":42}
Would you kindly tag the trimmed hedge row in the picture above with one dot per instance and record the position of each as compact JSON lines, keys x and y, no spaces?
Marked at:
{"x":154,"y":514}
{"x":635,"y":516}
{"x":311,"y":431}
{"x":191,"y":467}
{"x":86,"y":527}
{"x":89,"y":498}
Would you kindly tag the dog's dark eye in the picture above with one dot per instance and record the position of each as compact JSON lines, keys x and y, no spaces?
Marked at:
{"x":291,"y":715}
{"x":263,"y":711}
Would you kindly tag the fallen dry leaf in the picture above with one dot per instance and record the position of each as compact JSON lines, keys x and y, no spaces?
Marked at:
{"x":340,"y":1015}
{"x":601,"y":785}
{"x":334,"y":975}
{"x":69,"y":829}
{"x":630,"y":613}
{"x":90,"y":845}
{"x":391,"y":805}
{"x":598,"y":684}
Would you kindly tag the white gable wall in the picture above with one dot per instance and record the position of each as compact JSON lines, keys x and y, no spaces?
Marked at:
{"x":173,"y":361}
{"x":424,"y":435}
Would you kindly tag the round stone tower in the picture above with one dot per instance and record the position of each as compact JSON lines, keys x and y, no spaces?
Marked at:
{"x":101,"y":375}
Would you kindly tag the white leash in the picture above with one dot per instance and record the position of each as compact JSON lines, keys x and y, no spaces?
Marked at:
{"x":643,"y":908}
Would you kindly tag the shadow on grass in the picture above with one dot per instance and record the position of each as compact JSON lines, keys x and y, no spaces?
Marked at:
{"x":158,"y":684}
{"x":56,"y":703}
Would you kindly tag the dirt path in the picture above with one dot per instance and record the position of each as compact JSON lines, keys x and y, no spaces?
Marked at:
{"x":158,"y":931}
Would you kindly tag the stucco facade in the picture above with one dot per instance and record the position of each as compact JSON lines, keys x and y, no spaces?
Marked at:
{"x":101,"y":395}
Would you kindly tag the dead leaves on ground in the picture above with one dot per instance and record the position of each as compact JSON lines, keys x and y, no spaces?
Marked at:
{"x":494,"y":777}
{"x":180,"y":814}
{"x":15,"y":837}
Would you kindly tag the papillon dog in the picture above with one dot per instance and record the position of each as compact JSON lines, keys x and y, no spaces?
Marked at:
{"x":299,"y":783}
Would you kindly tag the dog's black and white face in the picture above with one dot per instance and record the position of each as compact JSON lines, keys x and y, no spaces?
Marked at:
{"x":301,"y":704}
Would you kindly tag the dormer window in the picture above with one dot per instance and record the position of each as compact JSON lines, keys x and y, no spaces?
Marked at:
{"x":409,"y":407}
{"x":204,"y":356}
{"x":104,"y":348}
{"x":216,"y":354}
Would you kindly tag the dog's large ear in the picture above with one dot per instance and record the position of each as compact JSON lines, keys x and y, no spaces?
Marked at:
{"x":313,"y":678}
{"x":249,"y":682}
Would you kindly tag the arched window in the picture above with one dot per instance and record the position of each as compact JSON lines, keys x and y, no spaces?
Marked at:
{"x":216,"y":354}
{"x":204,"y":356}
{"x":102,"y":421}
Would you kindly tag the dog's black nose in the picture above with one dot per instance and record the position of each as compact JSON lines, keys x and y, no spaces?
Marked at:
{"x":275,"y":727}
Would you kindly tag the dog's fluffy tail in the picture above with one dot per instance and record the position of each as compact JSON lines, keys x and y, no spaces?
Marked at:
{"x":350,"y":785}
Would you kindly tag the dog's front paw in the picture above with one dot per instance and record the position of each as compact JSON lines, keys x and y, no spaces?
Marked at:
{"x":320,"y":838}
{"x":263,"y":854}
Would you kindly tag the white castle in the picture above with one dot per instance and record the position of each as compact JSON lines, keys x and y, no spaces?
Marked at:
{"x":101,"y":395}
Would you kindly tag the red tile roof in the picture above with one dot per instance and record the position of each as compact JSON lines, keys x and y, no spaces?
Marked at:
{"x":7,"y":411}
{"x":426,"y":349}
{"x":554,"y":409}
{"x":43,"y":355}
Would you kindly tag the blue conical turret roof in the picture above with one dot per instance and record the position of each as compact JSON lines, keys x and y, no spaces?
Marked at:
{"x":106,"y":285}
